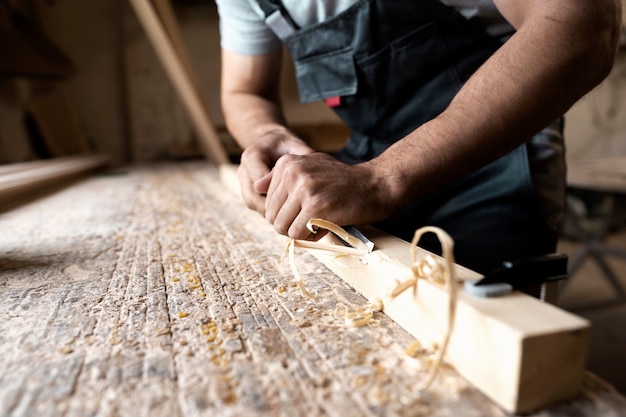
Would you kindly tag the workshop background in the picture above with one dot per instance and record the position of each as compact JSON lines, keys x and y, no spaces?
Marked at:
{"x":81,"y":76}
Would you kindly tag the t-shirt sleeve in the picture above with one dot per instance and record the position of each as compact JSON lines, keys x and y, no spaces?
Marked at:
{"x":243,"y":29}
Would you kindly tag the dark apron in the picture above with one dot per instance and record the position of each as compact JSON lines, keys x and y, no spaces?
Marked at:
{"x":390,"y":66}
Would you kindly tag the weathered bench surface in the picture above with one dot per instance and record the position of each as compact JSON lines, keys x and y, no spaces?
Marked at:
{"x":155,"y":292}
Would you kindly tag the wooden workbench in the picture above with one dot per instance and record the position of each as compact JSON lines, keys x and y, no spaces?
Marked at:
{"x":155,"y":292}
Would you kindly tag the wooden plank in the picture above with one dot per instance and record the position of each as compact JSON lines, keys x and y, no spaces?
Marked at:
{"x":522,"y":353}
{"x":22,"y":166}
{"x":167,"y":16}
{"x":94,"y":280}
{"x":182,"y":81}
{"x":19,"y":179}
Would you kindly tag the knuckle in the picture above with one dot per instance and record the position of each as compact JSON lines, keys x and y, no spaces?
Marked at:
{"x":296,"y":232}
{"x":281,"y":229}
{"x":321,"y":205}
{"x":246,"y":155}
{"x":283,"y":162}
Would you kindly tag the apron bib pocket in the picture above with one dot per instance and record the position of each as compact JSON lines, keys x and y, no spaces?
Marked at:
{"x":327,"y":75}
{"x":411,"y":79}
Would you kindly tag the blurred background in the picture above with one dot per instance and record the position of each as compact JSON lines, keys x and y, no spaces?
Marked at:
{"x":78,"y":77}
{"x":87,"y":70}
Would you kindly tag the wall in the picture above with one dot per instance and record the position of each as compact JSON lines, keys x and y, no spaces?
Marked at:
{"x":159,"y":128}
{"x":90,"y":33}
{"x":14,"y":144}
{"x":596,"y":125}
{"x":157,"y":121}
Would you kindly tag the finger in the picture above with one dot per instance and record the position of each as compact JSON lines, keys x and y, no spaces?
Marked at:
{"x":298,"y":229}
{"x":256,"y":202}
{"x":253,"y":199}
{"x":285,"y":217}
{"x":262,"y":184}
{"x":275,"y":198}
{"x":256,"y":163}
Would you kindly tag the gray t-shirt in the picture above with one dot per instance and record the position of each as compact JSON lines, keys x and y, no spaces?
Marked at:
{"x":243,"y":29}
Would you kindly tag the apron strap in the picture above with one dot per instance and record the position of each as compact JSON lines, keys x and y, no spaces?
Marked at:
{"x":277,"y":18}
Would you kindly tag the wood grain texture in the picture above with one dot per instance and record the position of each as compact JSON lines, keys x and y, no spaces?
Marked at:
{"x":156,"y":293}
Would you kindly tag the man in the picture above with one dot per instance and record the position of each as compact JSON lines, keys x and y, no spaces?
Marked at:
{"x":448,"y":103}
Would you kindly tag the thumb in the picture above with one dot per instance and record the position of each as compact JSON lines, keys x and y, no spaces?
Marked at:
{"x":262,"y":185}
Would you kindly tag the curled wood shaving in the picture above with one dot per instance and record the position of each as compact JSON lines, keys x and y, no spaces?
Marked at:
{"x":360,"y":316}
{"x":358,"y":248}
{"x":314,"y":224}
{"x":291,"y":250}
{"x":440,"y":273}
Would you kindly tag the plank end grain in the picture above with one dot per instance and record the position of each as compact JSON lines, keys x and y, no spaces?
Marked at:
{"x":552,"y":368}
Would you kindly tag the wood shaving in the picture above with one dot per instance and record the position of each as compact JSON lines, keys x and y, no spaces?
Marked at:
{"x":315,"y":224}
{"x":360,"y":316}
{"x":437,"y":272}
{"x":358,"y":248}
{"x":291,"y":250}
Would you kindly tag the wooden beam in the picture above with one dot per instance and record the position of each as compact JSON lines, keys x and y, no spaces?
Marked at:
{"x":17,"y":180}
{"x":167,"y":16}
{"x":522,"y":353}
{"x":181,"y":79}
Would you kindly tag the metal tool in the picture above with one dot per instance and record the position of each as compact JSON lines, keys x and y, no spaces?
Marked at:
{"x":356,"y":233}
{"x":520,"y":274}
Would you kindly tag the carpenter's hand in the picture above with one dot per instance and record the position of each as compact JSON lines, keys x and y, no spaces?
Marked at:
{"x":317,"y":185}
{"x":257,"y":160}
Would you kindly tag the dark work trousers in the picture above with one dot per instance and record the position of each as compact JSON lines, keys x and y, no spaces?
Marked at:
{"x":390,"y":66}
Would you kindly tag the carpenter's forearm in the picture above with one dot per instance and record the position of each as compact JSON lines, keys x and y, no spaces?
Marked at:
{"x":249,"y":117}
{"x":555,"y":57}
{"x":250,"y":95}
